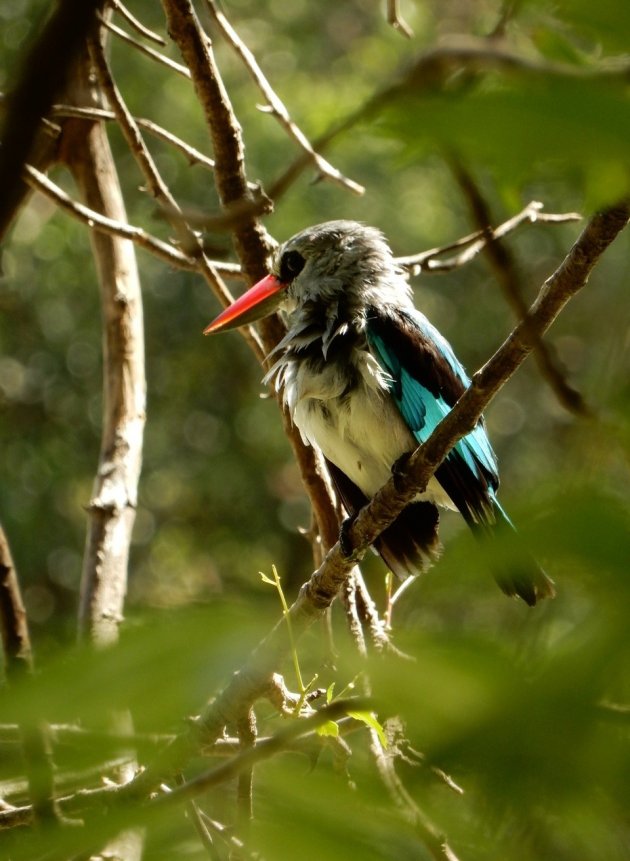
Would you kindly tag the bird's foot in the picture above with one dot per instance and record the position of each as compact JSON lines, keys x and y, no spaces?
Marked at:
{"x":399,"y":470}
{"x":345,"y":542}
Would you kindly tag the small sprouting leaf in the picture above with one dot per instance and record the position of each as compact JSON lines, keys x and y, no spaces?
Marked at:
{"x":369,"y":720}
{"x":329,"y":728}
{"x":329,"y":693}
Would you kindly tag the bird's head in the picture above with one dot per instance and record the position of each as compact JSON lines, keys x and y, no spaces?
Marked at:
{"x":320,"y":265}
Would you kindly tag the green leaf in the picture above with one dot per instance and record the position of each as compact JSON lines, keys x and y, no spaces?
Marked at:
{"x":369,"y":720}
{"x":330,"y":728}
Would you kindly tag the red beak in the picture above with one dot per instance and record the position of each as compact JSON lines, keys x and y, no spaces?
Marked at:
{"x":257,"y":302}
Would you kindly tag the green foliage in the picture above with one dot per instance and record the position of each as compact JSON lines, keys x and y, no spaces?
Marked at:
{"x":512,"y":703}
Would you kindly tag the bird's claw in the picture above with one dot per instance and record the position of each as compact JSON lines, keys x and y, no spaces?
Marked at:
{"x":399,"y":470}
{"x":345,"y":542}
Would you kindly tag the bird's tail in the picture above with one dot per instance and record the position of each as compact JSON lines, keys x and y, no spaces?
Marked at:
{"x":520,"y":574}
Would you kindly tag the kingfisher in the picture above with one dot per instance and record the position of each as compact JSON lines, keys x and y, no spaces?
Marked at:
{"x":366,"y":378}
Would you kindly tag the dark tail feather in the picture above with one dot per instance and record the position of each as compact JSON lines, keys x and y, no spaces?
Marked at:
{"x":521,"y":575}
{"x":410,"y":544}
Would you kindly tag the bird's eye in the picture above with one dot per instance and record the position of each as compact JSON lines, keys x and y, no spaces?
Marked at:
{"x":291,"y":264}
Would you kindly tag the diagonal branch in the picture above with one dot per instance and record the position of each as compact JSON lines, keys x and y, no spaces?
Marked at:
{"x":43,"y":75}
{"x":253,"y":245}
{"x":137,"y":25}
{"x":144,"y":49}
{"x":275,"y":106}
{"x":431,"y":261}
{"x":507,"y":274}
{"x":104,"y":224}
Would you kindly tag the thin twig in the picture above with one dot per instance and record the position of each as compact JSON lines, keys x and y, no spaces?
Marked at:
{"x":102,"y":223}
{"x":476,"y":242}
{"x":187,"y":237}
{"x":246,"y":728}
{"x":395,"y":18}
{"x":275,"y":106}
{"x":430,"y":72}
{"x":137,"y":25}
{"x":144,"y":49}
{"x":507,"y":274}
{"x":193,"y":155}
{"x":432,"y":839}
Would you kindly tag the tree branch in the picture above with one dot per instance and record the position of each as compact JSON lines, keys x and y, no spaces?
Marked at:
{"x":106,"y":225}
{"x":137,"y":25}
{"x":144,"y":49}
{"x":18,"y":660}
{"x":275,"y":106}
{"x":253,"y":245}
{"x":507,"y":274}
{"x":430,"y":261}
{"x":43,"y":75}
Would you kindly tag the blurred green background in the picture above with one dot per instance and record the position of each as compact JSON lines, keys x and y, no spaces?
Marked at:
{"x":504,"y":697}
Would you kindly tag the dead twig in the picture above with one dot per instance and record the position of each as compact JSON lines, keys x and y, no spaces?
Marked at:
{"x":144,"y":49}
{"x":430,"y":261}
{"x":138,"y":26}
{"x":193,"y":155}
{"x":275,"y":106}
{"x":103,"y":224}
{"x":506,"y":271}
{"x":396,"y":20}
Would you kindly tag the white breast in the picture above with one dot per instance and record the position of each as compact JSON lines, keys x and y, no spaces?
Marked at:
{"x":362,"y":433}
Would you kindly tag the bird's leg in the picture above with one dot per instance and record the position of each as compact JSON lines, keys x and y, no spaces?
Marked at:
{"x":399,"y":470}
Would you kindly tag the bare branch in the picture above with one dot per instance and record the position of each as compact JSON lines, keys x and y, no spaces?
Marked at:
{"x":16,"y":643}
{"x":193,"y":155}
{"x":396,"y":20}
{"x":253,"y":245}
{"x":475,"y":242}
{"x":137,"y":25}
{"x":162,"y":193}
{"x":144,"y":49}
{"x":114,"y":497}
{"x":434,"y":841}
{"x":565,"y":282}
{"x":507,"y":274}
{"x":18,"y":660}
{"x":104,"y":224}
{"x":275,"y":106}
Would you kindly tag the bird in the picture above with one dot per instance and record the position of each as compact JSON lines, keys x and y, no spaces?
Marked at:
{"x":366,"y":378}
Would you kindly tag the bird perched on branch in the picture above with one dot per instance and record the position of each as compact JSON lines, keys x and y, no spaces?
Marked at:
{"x":366,"y":378}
